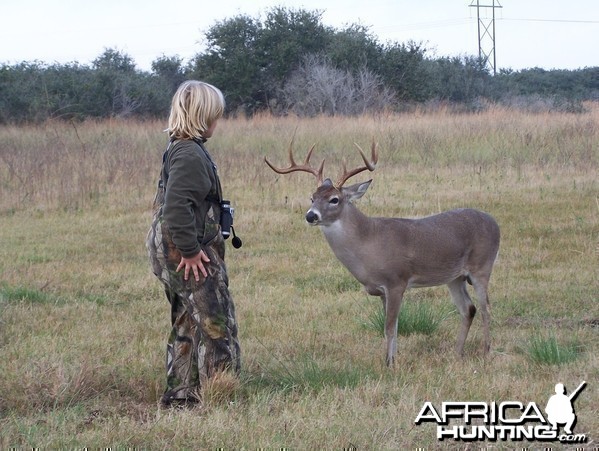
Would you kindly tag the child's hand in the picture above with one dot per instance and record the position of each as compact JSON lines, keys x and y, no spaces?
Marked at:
{"x":196,"y":263}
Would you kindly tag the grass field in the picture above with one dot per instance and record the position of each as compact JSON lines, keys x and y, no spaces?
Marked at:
{"x":83,"y":323}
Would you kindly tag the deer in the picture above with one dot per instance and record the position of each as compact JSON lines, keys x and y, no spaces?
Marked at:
{"x":391,"y":255}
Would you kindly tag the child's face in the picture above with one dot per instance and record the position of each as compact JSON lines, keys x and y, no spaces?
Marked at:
{"x":209,"y":132}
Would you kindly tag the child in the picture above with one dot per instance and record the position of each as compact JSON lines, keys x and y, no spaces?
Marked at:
{"x":187,"y":250}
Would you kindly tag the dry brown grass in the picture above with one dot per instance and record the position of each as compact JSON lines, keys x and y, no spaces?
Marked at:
{"x":83,"y":323}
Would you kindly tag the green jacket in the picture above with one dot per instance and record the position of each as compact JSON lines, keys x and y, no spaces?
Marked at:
{"x":191,"y":207}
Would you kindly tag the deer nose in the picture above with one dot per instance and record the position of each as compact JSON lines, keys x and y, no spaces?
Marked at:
{"x":312,"y":217}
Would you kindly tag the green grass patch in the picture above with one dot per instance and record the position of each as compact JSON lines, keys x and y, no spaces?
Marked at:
{"x":20,"y":294}
{"x":15,"y":294}
{"x":547,"y":350}
{"x":307,"y":374}
{"x":414,"y":318}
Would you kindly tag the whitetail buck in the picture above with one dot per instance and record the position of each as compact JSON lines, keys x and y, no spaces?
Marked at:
{"x":390,"y":255}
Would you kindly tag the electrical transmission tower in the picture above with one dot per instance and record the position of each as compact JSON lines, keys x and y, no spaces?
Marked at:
{"x":486,"y":33}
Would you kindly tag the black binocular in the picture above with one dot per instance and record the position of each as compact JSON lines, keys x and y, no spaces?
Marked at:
{"x":226,"y":223}
{"x":226,"y":218}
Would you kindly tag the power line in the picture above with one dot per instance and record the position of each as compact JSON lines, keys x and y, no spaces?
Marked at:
{"x":466,"y":20}
{"x":550,"y":20}
{"x":426,"y":25}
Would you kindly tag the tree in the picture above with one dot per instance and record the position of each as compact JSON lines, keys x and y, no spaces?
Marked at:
{"x":403,"y":68}
{"x":354,"y":48}
{"x":170,"y":70}
{"x":250,"y":60}
{"x":459,"y":79}
{"x":286,"y":37}
{"x":317,"y":87}
{"x":20,"y":93}
{"x":233,"y":63}
{"x":115,"y":86}
{"x":114,"y":61}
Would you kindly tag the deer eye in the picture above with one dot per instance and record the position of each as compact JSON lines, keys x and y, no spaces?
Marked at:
{"x":334,"y":200}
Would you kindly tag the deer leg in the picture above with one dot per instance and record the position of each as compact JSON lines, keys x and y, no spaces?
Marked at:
{"x":481,"y":284}
{"x":462,"y":301}
{"x":392,"y":299}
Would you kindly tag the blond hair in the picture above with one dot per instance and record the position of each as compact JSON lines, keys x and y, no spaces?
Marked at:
{"x":195,"y":106}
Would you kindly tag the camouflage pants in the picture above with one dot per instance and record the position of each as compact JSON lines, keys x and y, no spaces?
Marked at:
{"x":203,"y":339}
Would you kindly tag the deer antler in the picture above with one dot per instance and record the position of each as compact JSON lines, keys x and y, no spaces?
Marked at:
{"x":296,"y":167}
{"x":370,"y":165}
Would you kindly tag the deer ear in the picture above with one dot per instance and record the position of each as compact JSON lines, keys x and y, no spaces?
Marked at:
{"x":356,"y":191}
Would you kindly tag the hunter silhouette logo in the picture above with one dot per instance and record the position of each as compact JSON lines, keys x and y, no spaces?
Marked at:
{"x":559,"y":408}
{"x":507,"y":420}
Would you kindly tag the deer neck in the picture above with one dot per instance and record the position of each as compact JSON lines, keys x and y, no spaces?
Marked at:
{"x":348,"y":233}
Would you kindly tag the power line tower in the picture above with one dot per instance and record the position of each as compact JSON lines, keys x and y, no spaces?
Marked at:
{"x":486,"y":33}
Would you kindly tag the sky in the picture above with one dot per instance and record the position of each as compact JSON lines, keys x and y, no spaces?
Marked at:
{"x":551,"y":34}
